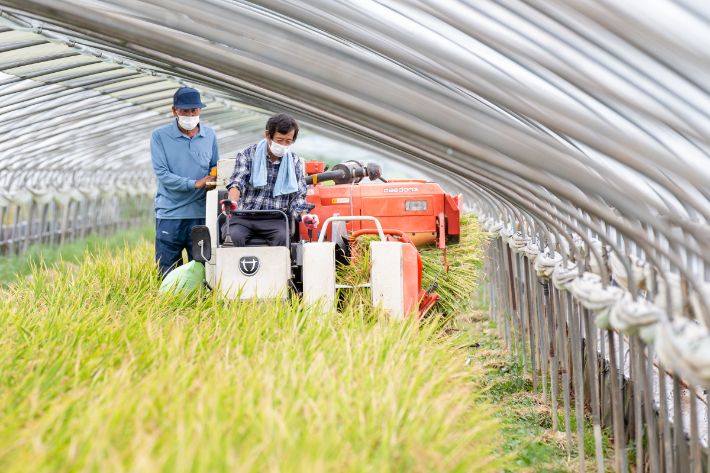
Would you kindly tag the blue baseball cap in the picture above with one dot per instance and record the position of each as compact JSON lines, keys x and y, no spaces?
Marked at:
{"x":186,"y":98}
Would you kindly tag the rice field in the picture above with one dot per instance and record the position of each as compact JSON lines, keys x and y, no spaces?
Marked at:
{"x":100,"y":372}
{"x":15,"y":267}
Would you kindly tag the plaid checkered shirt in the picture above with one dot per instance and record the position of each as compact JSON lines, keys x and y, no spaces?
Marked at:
{"x":252,"y":198}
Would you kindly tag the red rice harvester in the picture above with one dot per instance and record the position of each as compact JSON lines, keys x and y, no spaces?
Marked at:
{"x":404,"y":213}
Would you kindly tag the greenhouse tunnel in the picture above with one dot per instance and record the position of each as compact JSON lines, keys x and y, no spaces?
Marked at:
{"x":578,"y":133}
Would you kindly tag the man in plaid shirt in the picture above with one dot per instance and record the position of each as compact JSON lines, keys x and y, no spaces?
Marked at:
{"x":267,"y":176}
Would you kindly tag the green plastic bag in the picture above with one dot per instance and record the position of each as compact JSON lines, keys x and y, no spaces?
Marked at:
{"x":186,"y":278}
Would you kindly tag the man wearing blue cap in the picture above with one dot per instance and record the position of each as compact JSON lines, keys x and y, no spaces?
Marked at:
{"x":183,"y":153}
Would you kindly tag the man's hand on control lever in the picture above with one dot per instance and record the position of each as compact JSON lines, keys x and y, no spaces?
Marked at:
{"x":310,"y":220}
{"x":233,"y":196}
{"x":203,"y":182}
{"x":232,"y":206}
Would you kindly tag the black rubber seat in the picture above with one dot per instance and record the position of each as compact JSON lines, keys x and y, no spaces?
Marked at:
{"x":256,"y":241}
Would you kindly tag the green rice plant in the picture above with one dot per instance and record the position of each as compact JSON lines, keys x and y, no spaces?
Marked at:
{"x":356,"y":299}
{"x":101,"y":372}
{"x":17,"y":266}
{"x":455,"y":287}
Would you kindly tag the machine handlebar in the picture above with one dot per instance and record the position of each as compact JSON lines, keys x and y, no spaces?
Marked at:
{"x":256,"y":212}
{"x":321,"y":237}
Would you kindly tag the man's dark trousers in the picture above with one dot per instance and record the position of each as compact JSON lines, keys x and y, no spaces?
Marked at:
{"x":171,"y":237}
{"x":242,"y":228}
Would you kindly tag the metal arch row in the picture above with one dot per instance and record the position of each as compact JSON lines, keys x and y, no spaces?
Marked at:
{"x":558,"y":119}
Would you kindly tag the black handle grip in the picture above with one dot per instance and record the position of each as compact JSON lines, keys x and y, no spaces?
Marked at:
{"x":226,"y":204}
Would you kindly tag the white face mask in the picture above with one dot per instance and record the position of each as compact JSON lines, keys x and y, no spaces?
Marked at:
{"x":188,"y":123}
{"x":278,"y":150}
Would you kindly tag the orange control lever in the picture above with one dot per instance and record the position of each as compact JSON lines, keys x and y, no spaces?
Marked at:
{"x":441,"y":223}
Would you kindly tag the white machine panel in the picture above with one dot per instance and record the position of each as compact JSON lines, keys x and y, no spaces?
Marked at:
{"x":225,"y":168}
{"x":387,"y":278}
{"x":211,"y":222}
{"x":269,"y":280}
{"x":319,"y":272}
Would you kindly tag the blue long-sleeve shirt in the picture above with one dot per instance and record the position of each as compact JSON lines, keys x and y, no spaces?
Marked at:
{"x":179,"y":162}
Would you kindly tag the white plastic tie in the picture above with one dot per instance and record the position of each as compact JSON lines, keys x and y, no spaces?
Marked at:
{"x":638,"y":266}
{"x":592,"y":294}
{"x":684,"y":346}
{"x":531,"y":251}
{"x":518,"y":242}
{"x":545,"y":264}
{"x":562,"y":276}
{"x":636,"y":317}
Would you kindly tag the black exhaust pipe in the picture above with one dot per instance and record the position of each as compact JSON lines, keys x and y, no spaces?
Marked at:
{"x":345,"y":173}
{"x":325,"y":176}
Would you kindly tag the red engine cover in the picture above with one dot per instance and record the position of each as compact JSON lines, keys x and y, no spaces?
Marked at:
{"x":411,"y":206}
